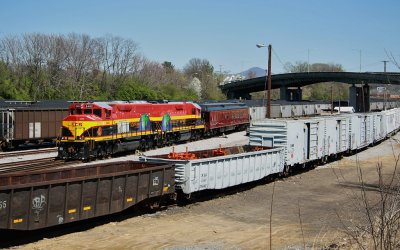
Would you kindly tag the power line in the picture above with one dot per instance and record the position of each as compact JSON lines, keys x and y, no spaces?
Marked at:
{"x":276,"y":55}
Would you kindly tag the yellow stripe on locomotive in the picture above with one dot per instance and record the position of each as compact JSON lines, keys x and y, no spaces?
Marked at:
{"x":105,"y":130}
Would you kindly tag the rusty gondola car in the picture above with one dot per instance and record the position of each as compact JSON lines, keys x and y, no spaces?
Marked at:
{"x":25,"y":123}
{"x":39,"y":199}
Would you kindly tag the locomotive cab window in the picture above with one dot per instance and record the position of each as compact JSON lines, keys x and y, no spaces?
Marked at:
{"x":97,"y":112}
{"x":108,"y":113}
{"x":75,"y":111}
{"x":87,"y":111}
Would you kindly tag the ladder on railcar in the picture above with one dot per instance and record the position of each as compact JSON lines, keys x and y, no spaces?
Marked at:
{"x":343,"y":135}
{"x":313,"y":141}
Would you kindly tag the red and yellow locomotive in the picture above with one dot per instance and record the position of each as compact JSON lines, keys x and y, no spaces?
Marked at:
{"x":101,"y":129}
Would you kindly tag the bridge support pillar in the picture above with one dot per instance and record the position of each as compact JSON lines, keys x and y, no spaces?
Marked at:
{"x":283,"y":91}
{"x":359,"y":98}
{"x":291,"y":94}
{"x":230,"y":95}
{"x":366,"y":102}
{"x":353,"y":94}
{"x":299,"y":94}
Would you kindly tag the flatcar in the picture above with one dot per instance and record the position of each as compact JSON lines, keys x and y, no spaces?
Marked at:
{"x":25,"y":123}
{"x":101,"y":129}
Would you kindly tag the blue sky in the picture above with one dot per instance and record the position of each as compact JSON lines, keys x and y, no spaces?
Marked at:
{"x":225,"y":31}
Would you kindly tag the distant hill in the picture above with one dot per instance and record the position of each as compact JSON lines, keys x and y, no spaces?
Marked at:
{"x":257,"y":71}
{"x":253,"y":72}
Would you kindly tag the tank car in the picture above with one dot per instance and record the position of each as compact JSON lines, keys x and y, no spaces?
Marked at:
{"x":100,"y":129}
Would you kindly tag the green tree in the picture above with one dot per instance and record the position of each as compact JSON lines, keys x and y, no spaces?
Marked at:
{"x":169,"y":67}
{"x":174,"y":92}
{"x":135,"y":90}
{"x":78,"y":67}
{"x":296,"y":67}
{"x":320,"y":91}
{"x":8,"y":89}
{"x":204,"y":71}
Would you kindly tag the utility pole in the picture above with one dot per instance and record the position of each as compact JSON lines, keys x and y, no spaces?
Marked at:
{"x":269,"y":81}
{"x":384,"y":65}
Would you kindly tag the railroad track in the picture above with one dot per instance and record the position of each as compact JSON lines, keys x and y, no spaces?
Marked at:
{"x":27,"y":152}
{"x":32,"y":165}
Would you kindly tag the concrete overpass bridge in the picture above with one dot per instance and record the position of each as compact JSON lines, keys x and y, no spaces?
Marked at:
{"x":290,"y":85}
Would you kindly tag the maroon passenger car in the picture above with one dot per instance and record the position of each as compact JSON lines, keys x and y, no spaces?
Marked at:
{"x":224,"y":117}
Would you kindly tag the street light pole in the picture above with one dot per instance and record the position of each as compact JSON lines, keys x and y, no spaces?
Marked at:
{"x":268,"y":79}
{"x":269,"y":82}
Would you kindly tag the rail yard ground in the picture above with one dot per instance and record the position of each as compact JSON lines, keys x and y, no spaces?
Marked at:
{"x":321,"y":198}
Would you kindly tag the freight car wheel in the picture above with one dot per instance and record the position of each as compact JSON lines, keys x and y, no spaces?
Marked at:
{"x":143,"y":145}
{"x":168,"y":140}
{"x":324,"y":159}
{"x":150,"y":143}
{"x":3,"y":147}
{"x":285,"y":172}
{"x":197,"y":135}
{"x":154,"y":205}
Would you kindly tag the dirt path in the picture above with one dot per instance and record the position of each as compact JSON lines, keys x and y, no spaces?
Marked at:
{"x":241,"y":220}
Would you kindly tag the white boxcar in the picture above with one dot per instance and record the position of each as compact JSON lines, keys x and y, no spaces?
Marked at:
{"x":275,"y":111}
{"x":224,"y":171}
{"x":355,"y":135}
{"x":391,"y":119}
{"x":297,"y":110}
{"x":302,"y":140}
{"x":286,"y":110}
{"x":337,"y":134}
{"x":257,"y":113}
{"x":363,"y":129}
{"x":305,"y":139}
{"x":309,"y":109}
{"x":378,"y":126}
{"x":319,"y":108}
